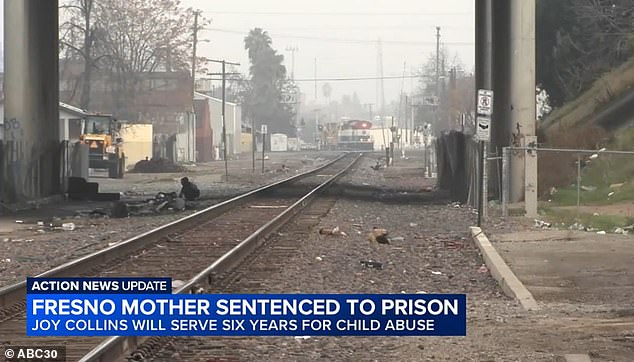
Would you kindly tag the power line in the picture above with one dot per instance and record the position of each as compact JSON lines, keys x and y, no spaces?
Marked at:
{"x":342,"y":79}
{"x":333,"y":13}
{"x":344,"y":40}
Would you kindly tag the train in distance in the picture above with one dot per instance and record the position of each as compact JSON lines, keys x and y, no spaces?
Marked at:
{"x":355,"y":135}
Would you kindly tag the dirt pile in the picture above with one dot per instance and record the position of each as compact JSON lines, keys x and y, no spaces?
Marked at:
{"x":157,"y":165}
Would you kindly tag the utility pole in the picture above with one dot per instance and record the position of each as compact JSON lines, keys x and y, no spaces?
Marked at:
{"x":193,"y":110}
{"x":317,"y":133}
{"x":224,"y":125}
{"x":407,"y":124}
{"x":315,"y":80}
{"x":196,"y":14}
{"x":437,"y":74}
{"x":292,"y":49}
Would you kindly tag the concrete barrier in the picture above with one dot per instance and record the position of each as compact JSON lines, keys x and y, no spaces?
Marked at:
{"x":509,"y":283}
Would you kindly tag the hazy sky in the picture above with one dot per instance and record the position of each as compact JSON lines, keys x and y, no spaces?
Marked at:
{"x":342,"y":35}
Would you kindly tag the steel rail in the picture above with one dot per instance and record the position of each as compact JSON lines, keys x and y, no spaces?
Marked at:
{"x":115,"y":348}
{"x":16,"y":293}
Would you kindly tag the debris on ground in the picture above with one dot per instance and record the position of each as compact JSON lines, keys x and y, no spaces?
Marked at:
{"x":177,"y":284}
{"x":378,"y":235}
{"x":601,"y":232}
{"x":483,"y":269}
{"x":283,"y":169}
{"x":398,"y":238}
{"x":119,"y":210}
{"x":542,"y":224}
{"x":167,"y":200}
{"x":333,"y":232}
{"x":157,"y":165}
{"x":378,"y":166}
{"x":69,"y":226}
{"x":436,"y":272}
{"x":372,"y":264}
{"x":611,"y":194}
{"x":621,"y":231}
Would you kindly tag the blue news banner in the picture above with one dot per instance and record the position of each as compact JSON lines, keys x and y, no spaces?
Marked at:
{"x":146,"y":307}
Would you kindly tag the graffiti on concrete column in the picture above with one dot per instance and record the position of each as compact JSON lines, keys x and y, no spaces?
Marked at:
{"x":11,"y":124}
{"x":12,"y":129}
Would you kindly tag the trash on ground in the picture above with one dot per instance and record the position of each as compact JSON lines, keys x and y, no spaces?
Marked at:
{"x":19,"y":221}
{"x":371,"y":264}
{"x":302,"y":337}
{"x":378,"y":166}
{"x":611,"y":194}
{"x":119,"y":210}
{"x":542,"y":224}
{"x":483,"y":269}
{"x":601,"y":232}
{"x":413,"y":224}
{"x":378,"y":235}
{"x":595,"y":214}
{"x":319,"y":258}
{"x":333,"y":232}
{"x":69,"y":226}
{"x":436,"y":272}
{"x":7,"y":260}
{"x":398,"y":238}
{"x":621,"y":231}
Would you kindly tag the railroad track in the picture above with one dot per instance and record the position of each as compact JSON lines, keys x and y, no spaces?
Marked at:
{"x":270,"y":257}
{"x":224,"y":234}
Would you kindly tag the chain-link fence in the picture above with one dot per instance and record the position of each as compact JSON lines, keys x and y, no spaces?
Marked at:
{"x":589,"y":189}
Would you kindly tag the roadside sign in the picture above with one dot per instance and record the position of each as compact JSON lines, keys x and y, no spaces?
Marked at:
{"x":264,"y":129}
{"x":483,"y":129}
{"x":289,"y":98}
{"x":485,"y":102}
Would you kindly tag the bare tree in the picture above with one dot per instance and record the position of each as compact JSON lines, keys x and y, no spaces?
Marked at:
{"x":78,"y":36}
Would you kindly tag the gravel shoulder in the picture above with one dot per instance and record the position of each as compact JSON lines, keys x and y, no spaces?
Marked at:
{"x":434,"y":239}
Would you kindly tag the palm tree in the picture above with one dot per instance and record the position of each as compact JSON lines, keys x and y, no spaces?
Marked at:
{"x":256,"y":41}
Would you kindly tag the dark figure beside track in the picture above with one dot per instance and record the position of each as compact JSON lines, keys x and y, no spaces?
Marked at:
{"x":189,"y":191}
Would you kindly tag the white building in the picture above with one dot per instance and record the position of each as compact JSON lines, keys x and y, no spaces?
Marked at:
{"x":69,"y":121}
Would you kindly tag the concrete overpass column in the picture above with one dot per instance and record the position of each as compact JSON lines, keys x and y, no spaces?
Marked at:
{"x":500,"y":133}
{"x":522,"y":87}
{"x":30,"y":166}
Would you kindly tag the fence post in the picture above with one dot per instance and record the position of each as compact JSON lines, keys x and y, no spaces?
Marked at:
{"x":578,"y":182}
{"x":505,"y":181}
{"x":485,"y":181}
{"x":530,"y":176}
